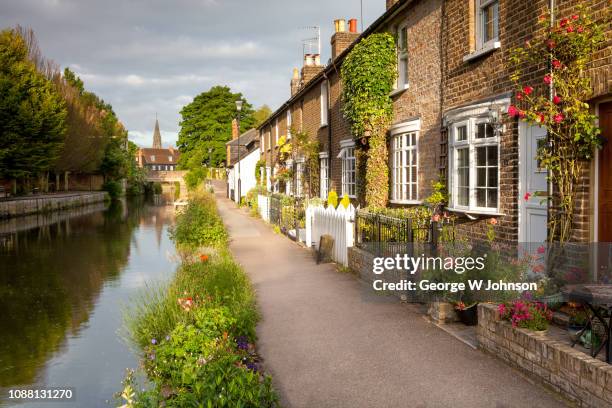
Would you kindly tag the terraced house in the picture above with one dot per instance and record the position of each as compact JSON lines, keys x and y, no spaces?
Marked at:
{"x":450,"y":119}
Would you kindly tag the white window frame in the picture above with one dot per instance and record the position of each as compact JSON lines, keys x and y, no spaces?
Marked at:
{"x":471,"y":143}
{"x":402,"y":81}
{"x":152,"y":157}
{"x":288,"y":120}
{"x":481,"y":25}
{"x":404,"y":132}
{"x":323,"y":175}
{"x":268,"y":178}
{"x":349,"y":168}
{"x":300,"y":165}
{"x":289,"y":182}
{"x":324,"y":108}
{"x":276,"y":131}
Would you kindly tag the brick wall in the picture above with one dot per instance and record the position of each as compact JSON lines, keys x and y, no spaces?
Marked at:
{"x":579,"y":377}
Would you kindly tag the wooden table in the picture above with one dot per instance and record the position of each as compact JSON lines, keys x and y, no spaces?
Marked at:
{"x":596,"y":297}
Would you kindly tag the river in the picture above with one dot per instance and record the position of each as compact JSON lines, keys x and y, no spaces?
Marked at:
{"x":65,"y":281}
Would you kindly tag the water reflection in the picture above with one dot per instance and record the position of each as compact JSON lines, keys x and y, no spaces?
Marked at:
{"x":62,"y":287}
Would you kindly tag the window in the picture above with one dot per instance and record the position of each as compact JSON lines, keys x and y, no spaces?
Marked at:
{"x":261,"y":143}
{"x":288,"y":124}
{"x":299,"y":178}
{"x":402,"y":58}
{"x":324,"y":104}
{"x":404,"y":166}
{"x":474,"y":152}
{"x":276,"y":131}
{"x":324,"y":174}
{"x":487,"y":23}
{"x":152,"y":158}
{"x":347,"y":155}
{"x":170,"y":159}
{"x":268,"y":181}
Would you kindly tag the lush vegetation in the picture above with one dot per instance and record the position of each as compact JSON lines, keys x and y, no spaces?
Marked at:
{"x":50,"y":124}
{"x":198,"y":334}
{"x":369,"y":109}
{"x":559,"y":103}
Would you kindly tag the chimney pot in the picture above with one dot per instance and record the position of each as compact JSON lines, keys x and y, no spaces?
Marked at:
{"x":340,"y":25}
{"x":296,"y":74}
{"x":353,"y":25}
{"x":317,"y":60}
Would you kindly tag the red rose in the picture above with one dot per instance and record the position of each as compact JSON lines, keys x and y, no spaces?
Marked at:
{"x":556,"y":64}
{"x":512,"y":111}
{"x":575,"y":17}
{"x":527,"y":90}
{"x":547,"y":79}
{"x":519,"y":96}
{"x":556,"y":99}
{"x":541,"y":118}
{"x":563,"y":22}
{"x":570,"y":29}
{"x":521,"y":114}
{"x":580,"y":29}
{"x":558,"y":118}
{"x":526,"y":197}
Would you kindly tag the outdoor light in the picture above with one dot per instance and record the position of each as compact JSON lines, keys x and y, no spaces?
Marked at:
{"x":494,"y":115}
{"x":239,"y":105}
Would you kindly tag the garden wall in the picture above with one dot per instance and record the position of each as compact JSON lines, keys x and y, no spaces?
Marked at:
{"x":574,"y":374}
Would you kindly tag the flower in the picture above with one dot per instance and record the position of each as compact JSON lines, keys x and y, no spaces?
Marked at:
{"x":203,"y":257}
{"x":551,"y":44}
{"x":521,"y":114}
{"x":548,"y":79}
{"x":512,"y":111}
{"x":493,"y":221}
{"x":575,"y":17}
{"x":541,"y":249}
{"x":563,"y":22}
{"x":558,"y":118}
{"x":556,"y":64}
{"x":580,"y":29}
{"x":519,"y":96}
{"x":435,"y":218}
{"x":527,"y":90}
{"x":540,"y":118}
{"x":153,"y":341}
{"x":460,"y":306}
{"x":556,"y":99}
{"x":501,"y":309}
{"x":168,"y":338}
{"x":526,"y":196}
{"x":570,"y":29}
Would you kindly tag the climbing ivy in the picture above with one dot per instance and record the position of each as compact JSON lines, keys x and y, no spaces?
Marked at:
{"x":368,"y":75}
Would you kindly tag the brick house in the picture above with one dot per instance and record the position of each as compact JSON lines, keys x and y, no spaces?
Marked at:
{"x":450,"y":118}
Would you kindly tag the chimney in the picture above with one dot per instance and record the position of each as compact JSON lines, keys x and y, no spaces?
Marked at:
{"x":391,"y":3}
{"x":295,"y":81}
{"x":235,"y":130}
{"x":342,"y":39}
{"x":312,"y":66}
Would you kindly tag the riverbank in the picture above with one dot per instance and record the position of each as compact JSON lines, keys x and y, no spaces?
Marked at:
{"x":197,"y":334}
{"x":45,"y":203}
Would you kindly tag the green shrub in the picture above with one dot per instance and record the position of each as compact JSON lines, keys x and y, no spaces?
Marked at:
{"x":157,"y":188}
{"x":113,"y":188}
{"x":177,"y":190}
{"x":199,"y":225}
{"x":195,"y":177}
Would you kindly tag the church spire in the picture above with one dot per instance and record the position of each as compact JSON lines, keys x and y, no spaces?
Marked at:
{"x":157,"y":144}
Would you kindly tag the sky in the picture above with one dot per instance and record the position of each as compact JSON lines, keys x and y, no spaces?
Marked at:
{"x":148,"y":57}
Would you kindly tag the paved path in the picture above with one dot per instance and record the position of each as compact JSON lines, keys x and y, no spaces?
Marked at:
{"x":326,"y":345}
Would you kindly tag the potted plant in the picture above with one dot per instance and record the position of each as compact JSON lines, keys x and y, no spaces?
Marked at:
{"x":467,"y":313}
{"x":529,"y":315}
{"x":577,"y":323}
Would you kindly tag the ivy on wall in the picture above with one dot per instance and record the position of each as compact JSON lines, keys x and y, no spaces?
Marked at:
{"x":368,"y":76}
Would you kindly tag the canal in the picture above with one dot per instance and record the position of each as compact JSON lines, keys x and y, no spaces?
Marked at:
{"x":65,"y":281}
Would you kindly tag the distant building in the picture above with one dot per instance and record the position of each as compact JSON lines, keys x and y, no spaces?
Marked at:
{"x":157,"y":158}
{"x":242,"y":157}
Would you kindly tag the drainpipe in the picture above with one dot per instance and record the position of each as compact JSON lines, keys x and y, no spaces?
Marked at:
{"x":551,"y":5}
{"x":329,"y":135}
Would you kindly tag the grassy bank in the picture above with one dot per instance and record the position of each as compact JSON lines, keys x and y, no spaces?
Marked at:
{"x":197,"y":335}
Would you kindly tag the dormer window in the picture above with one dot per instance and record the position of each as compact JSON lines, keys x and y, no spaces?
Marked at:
{"x":170,"y":159}
{"x":152,"y":158}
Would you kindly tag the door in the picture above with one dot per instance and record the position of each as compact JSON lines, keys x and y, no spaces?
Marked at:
{"x":604,"y":224}
{"x":533,"y":221}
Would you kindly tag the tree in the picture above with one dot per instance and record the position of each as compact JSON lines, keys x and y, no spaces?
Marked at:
{"x":207,"y":123}
{"x":261,"y":114}
{"x":32,"y":113}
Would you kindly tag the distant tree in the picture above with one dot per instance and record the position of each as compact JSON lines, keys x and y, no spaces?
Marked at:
{"x":207,"y":123}
{"x":32,"y":113}
{"x":261,"y":114}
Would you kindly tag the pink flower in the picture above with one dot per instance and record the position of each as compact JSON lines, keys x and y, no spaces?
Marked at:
{"x":512,"y":111}
{"x":541,"y":249}
{"x":493,"y":221}
{"x":580,"y":29}
{"x":575,"y":17}
{"x":526,"y":196}
{"x":558,"y":118}
{"x":519,"y":96}
{"x":556,"y":99}
{"x":548,"y":79}
{"x":570,"y":29}
{"x":556,"y":64}
{"x":527,"y":90}
{"x":502,"y":309}
{"x":435,"y":218}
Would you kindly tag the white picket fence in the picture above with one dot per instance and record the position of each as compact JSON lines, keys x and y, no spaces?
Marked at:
{"x":339,"y":223}
{"x":263,"y":206}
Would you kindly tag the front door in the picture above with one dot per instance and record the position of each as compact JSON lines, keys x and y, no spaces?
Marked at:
{"x":533,"y":187}
{"x":604,"y":225}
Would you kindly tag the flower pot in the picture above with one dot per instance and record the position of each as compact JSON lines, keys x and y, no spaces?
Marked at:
{"x":469,"y":315}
